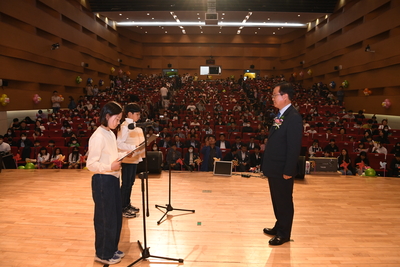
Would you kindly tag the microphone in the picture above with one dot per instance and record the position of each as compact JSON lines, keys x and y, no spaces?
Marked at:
{"x":132,"y":126}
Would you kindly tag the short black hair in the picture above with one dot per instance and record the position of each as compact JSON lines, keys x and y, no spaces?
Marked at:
{"x":132,"y":107}
{"x":286,"y":88}
{"x":111,"y":108}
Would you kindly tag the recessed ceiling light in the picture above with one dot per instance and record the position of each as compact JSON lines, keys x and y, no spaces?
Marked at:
{"x":201,"y":32}
{"x":298,"y":15}
{"x":198,"y":14}
{"x":120,"y":14}
{"x":259,"y":28}
{"x":145,"y":32}
{"x":148,"y":14}
{"x":273,"y":33}
{"x":166,"y":32}
{"x":198,"y":18}
{"x":152,"y":18}
{"x":269,"y":19}
{"x":255,"y":32}
{"x":162,"y":28}
{"x":127,"y":18}
{"x":223,"y":14}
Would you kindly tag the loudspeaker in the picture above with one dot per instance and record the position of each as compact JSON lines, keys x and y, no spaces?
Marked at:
{"x":119,"y":60}
{"x":3,"y":82}
{"x":251,"y":66}
{"x":85,"y":65}
{"x":301,"y":167}
{"x":154,"y":160}
{"x":169,"y":65}
{"x":337,"y":67}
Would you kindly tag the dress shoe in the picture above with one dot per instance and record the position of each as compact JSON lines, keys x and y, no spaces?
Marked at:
{"x":277,"y":240}
{"x":269,"y":231}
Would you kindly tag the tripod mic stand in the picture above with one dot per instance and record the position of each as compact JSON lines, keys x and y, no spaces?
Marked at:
{"x":145,"y":250}
{"x":168,"y":207}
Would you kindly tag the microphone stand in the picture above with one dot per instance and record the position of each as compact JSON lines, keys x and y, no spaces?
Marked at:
{"x":168,"y":207}
{"x":145,"y":250}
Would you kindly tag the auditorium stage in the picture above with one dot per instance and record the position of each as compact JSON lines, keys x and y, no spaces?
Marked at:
{"x":46,"y":219}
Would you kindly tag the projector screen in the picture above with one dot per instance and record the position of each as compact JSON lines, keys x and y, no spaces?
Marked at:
{"x":210,"y":70}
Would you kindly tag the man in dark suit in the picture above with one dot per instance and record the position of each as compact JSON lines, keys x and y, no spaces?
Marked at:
{"x":192,"y":142}
{"x":243,"y":157}
{"x":256,"y":157}
{"x":280,"y":162}
{"x":222,"y":143}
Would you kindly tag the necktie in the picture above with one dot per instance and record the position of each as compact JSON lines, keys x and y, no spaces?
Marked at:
{"x":279,"y":115}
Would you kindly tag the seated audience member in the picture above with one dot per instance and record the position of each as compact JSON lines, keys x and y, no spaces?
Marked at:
{"x":379,"y":148}
{"x":361,"y":148}
{"x":36,"y":143}
{"x":177,"y":142}
{"x":91,"y":125}
{"x":382,"y":138}
{"x":222,"y":143}
{"x":39,"y":124}
{"x":238,"y":142}
{"x":349,"y":115}
{"x":73,"y":142}
{"x":15,"y":124}
{"x":368,"y":125}
{"x":195,"y":122}
{"x":395,"y":166}
{"x":56,"y":159}
{"x":261,"y":135}
{"x":43,"y":159}
{"x":331,"y":147}
{"x":74,"y":159}
{"x":4,"y":147}
{"x":51,"y":144}
{"x":360,"y":115}
{"x":263,"y":144}
{"x":68,"y":132}
{"x":382,"y":125}
{"x":361,"y":162}
{"x":327,"y":154}
{"x":207,"y":130}
{"x":210,"y":152}
{"x":256,"y":157}
{"x":26,"y":145}
{"x":231,"y":155}
{"x":172,"y":156}
{"x":193,"y":142}
{"x":305,"y":124}
{"x":23,"y":126}
{"x":37,"y":133}
{"x":343,"y":160}
{"x":311,"y":130}
{"x":233,"y":128}
{"x":243,"y":157}
{"x":314,"y":148}
{"x":165,"y":142}
{"x":191,"y":159}
{"x":10,"y":133}
{"x":251,"y":144}
{"x":180,"y":133}
{"x":396,"y":148}
{"x":328,"y":133}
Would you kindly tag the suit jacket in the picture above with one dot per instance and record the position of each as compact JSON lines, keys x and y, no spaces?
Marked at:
{"x":172,"y":156}
{"x":254,"y":161}
{"x":241,"y":159}
{"x":162,"y":142}
{"x":189,"y":143}
{"x":227,"y":144}
{"x":284,"y":144}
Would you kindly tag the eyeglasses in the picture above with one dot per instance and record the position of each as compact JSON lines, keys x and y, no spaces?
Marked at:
{"x":273,"y":96}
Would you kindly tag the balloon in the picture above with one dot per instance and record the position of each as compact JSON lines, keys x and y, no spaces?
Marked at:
{"x":101,"y":82}
{"x":78,"y":79}
{"x":301,"y":74}
{"x":29,"y":165}
{"x":345,"y":84}
{"x":120,"y":72}
{"x":89,"y":80}
{"x":386,"y":103}
{"x":128,"y":73}
{"x":294,"y":74}
{"x":332,"y":84}
{"x":366,"y":92}
{"x":112,"y":69}
{"x":36,"y":99}
{"x":4,"y":100}
{"x":370,"y":172}
{"x":61,"y":97}
{"x":21,"y":167}
{"x":309,"y":72}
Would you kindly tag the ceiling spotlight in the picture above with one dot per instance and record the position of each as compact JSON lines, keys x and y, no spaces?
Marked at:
{"x":120,"y":14}
{"x":55,"y":46}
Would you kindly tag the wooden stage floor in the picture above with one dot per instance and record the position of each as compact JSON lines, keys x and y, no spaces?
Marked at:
{"x":46,"y":219}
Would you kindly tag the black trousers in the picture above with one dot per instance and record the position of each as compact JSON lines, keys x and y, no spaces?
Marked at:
{"x":128,"y":174}
{"x":282,"y":201}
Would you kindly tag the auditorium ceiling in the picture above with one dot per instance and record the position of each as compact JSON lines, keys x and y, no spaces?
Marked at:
{"x":251,"y":17}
